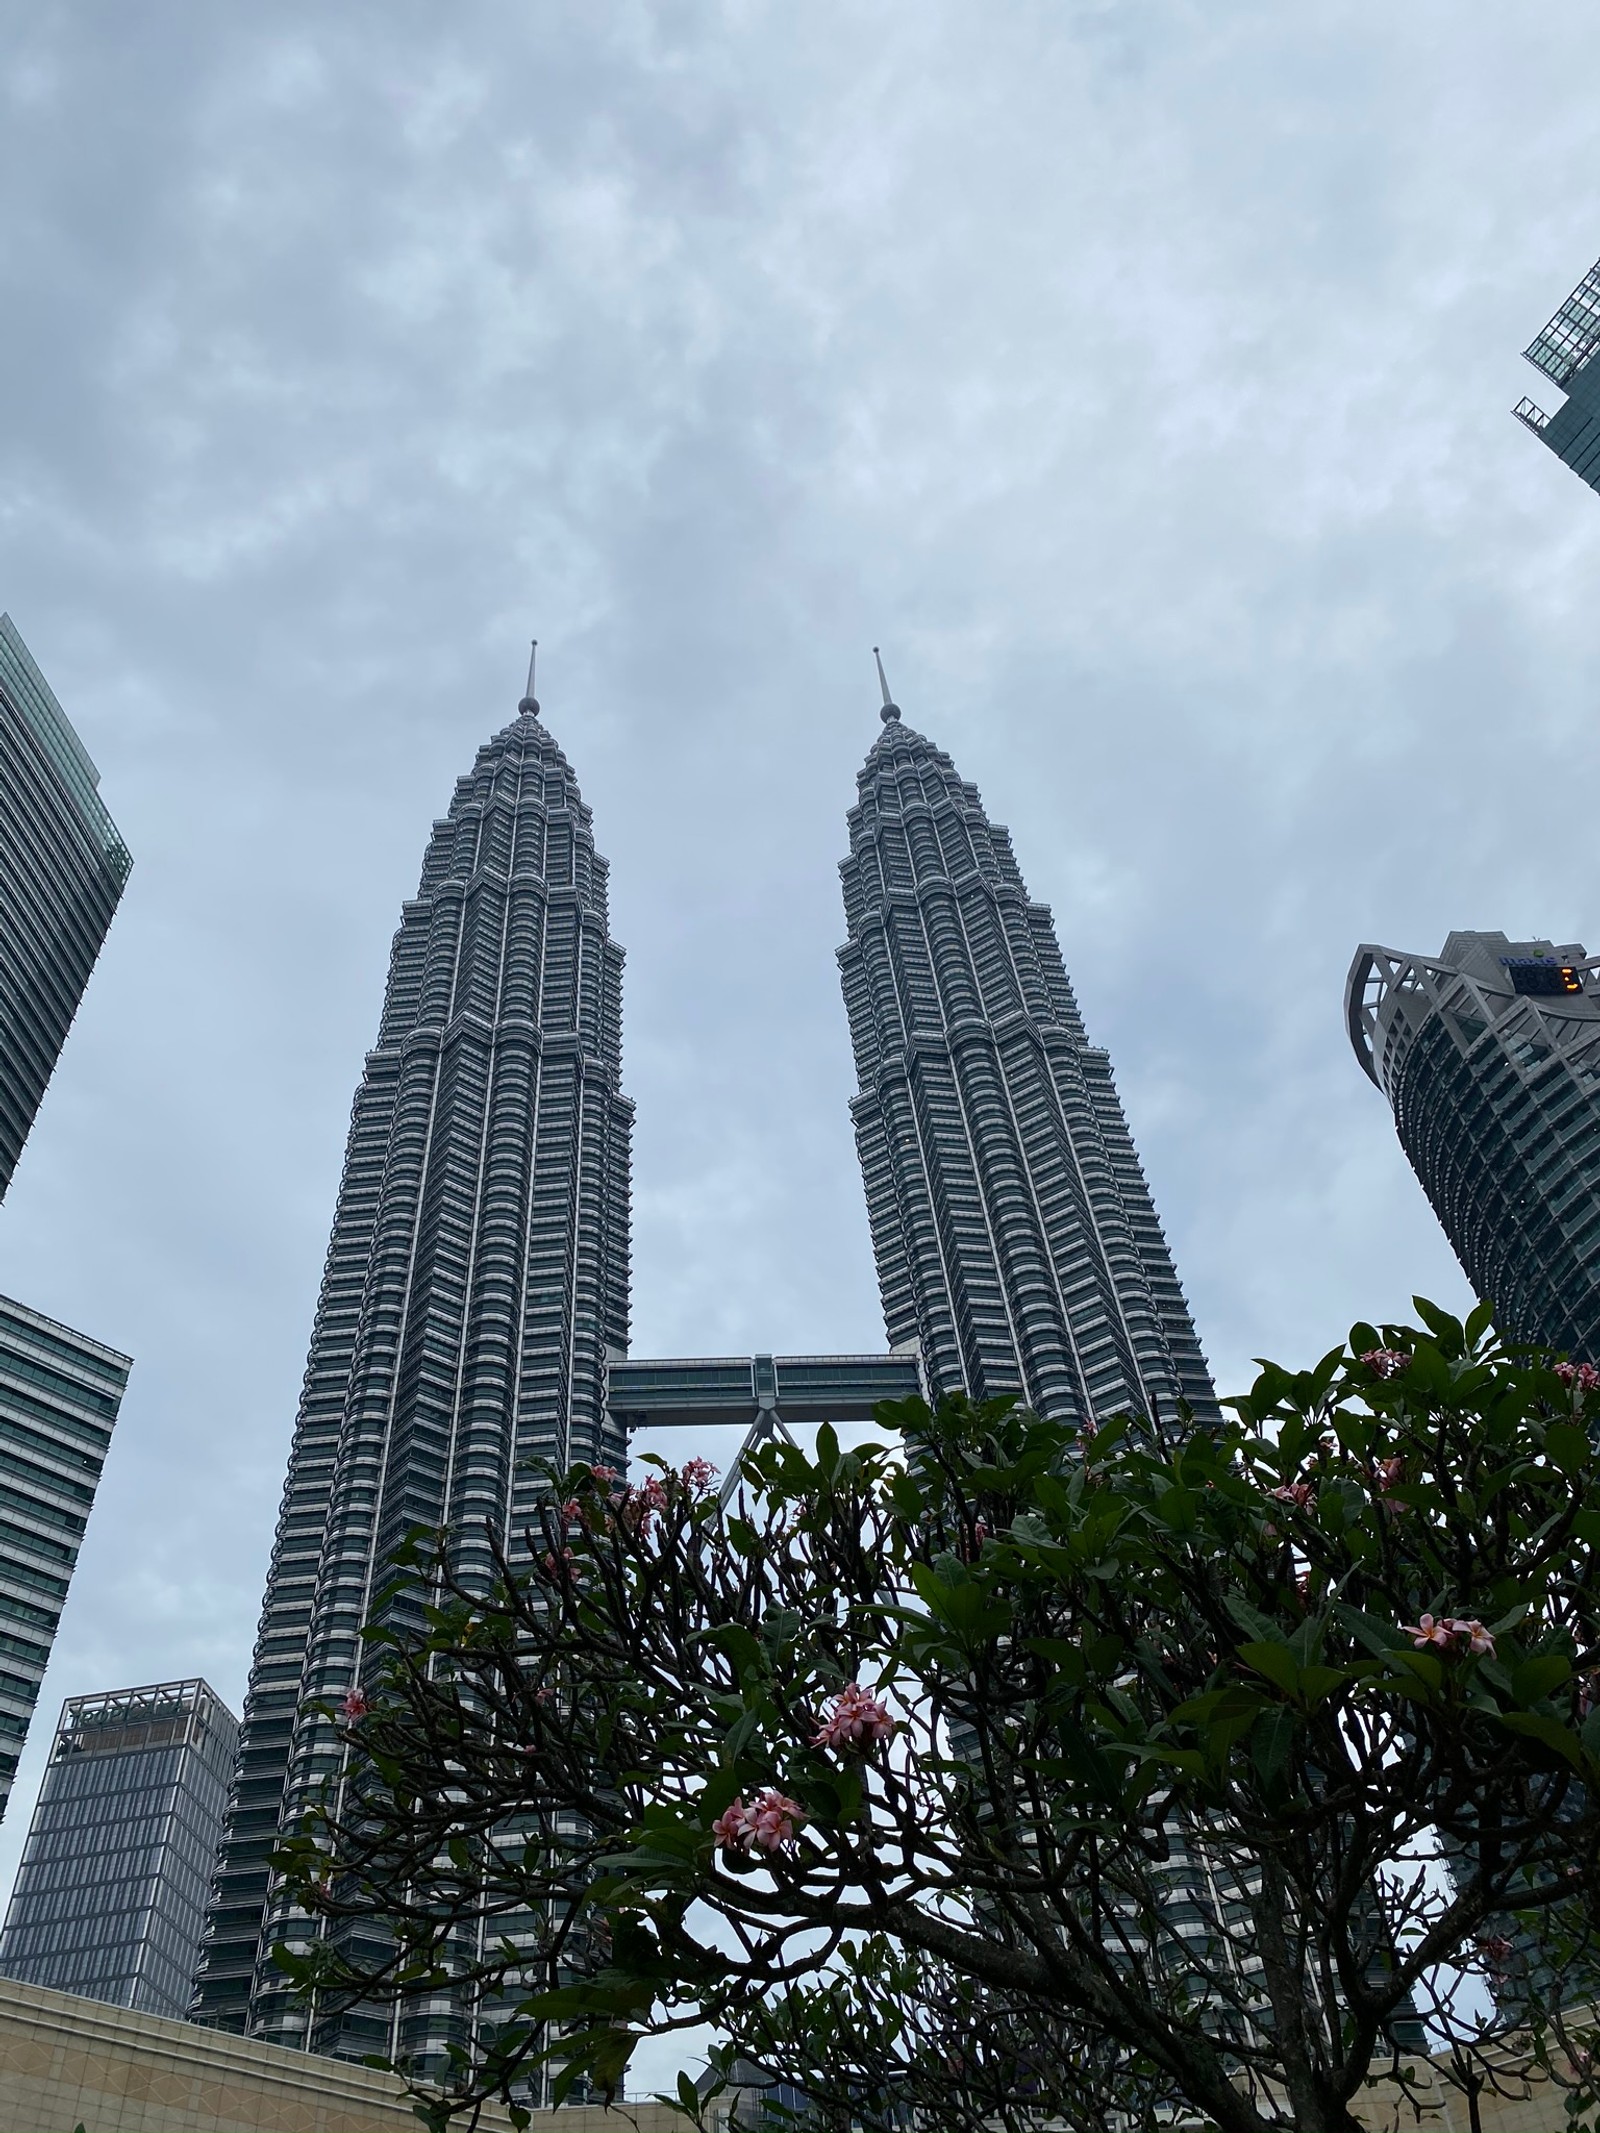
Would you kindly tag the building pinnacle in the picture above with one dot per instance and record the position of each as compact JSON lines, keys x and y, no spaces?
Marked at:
{"x":530,"y":702}
{"x":891,"y":710}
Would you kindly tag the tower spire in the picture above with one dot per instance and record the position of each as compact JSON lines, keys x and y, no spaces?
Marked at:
{"x":530,"y":702}
{"x":891,"y":709}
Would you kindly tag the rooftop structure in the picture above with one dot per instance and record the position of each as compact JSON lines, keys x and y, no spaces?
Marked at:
{"x":59,"y":1396}
{"x":111,"y":1894}
{"x":62,"y":870}
{"x":1489,"y":1056}
{"x":1564,"y":351}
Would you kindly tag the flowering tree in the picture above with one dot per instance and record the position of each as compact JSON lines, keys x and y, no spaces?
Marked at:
{"x":1009,"y":1769}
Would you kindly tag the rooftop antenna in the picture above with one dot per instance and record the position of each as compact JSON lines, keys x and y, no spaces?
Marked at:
{"x":891,"y":710}
{"x":530,"y":702}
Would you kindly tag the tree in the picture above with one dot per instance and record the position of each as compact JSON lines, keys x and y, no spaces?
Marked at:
{"x":1007,"y":1768}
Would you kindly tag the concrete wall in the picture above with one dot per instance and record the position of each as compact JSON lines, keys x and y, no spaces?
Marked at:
{"x":66,"y":2062}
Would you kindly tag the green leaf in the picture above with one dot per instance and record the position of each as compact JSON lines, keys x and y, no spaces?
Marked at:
{"x":1568,"y":1447}
{"x":733,"y":1639}
{"x":1535,"y":1678}
{"x":1447,"y":1331}
{"x":1558,"y":1738}
{"x":1176,"y":1510}
{"x":1277,"y":1662}
{"x":1479,"y":1319}
{"x":1271,"y":1739}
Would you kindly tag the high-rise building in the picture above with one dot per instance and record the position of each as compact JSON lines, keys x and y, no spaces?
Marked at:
{"x":62,"y":870}
{"x":1563,"y":351}
{"x":111,"y":1893}
{"x":476,"y":1282}
{"x":1016,"y":1241}
{"x":59,"y":1395}
{"x":1489,"y":1055}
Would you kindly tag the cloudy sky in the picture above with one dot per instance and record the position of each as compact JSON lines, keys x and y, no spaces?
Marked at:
{"x":1136,"y":372}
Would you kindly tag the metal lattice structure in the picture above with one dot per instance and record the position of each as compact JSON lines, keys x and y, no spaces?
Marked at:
{"x":1489,"y":1056}
{"x":476,"y":1280}
{"x":1016,"y":1241}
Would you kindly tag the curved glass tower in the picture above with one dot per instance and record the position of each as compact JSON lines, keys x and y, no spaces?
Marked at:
{"x":63,"y":868}
{"x":1016,"y":1240}
{"x":1489,"y":1055}
{"x":477,"y":1280}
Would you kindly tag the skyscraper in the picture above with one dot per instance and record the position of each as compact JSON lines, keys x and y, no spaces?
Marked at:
{"x":1563,"y":351}
{"x":1489,"y":1055}
{"x":476,"y":1281}
{"x":1014,"y":1233}
{"x":59,"y":1395}
{"x":62,"y":871}
{"x":111,"y":1892}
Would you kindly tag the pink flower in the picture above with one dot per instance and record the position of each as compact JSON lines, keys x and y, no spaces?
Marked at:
{"x":1583,"y":1375}
{"x":698,"y":1475}
{"x":1299,"y":1493}
{"x":768,"y":1823}
{"x":572,"y":1511}
{"x":773,"y":1820}
{"x":1494,"y":1948}
{"x":543,"y":1695}
{"x":1427,"y":1632}
{"x":1451,"y":1633}
{"x":1390,"y":1472}
{"x":1387,"y":1362}
{"x":732,"y":1827}
{"x":1473,"y":1634}
{"x":354,"y":1706}
{"x":605,"y":1475}
{"x":1089,"y":1428}
{"x":859,"y":1719}
{"x":555,"y":1565}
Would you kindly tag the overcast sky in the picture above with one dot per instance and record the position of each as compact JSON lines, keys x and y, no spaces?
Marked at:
{"x":1136,"y":374}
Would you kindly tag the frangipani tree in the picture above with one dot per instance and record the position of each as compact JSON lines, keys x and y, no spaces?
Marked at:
{"x":1005,"y":1770}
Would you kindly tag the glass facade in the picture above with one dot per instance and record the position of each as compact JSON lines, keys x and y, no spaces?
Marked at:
{"x":1017,"y":1245}
{"x":59,"y":1395}
{"x":111,"y":1893}
{"x":62,"y":871}
{"x":1564,"y":351}
{"x":476,"y":1282}
{"x":1489,"y":1055}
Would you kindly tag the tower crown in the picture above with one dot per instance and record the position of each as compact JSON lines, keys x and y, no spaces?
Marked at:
{"x":891,"y":710}
{"x":529,"y":706}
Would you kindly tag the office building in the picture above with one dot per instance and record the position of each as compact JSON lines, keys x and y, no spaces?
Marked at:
{"x":1489,"y":1056}
{"x":59,"y":1395}
{"x":1017,"y":1245}
{"x":62,"y":871}
{"x":111,"y":1893}
{"x":476,"y":1282}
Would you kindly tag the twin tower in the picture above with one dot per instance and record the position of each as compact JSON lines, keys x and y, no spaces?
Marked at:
{"x":475,"y":1301}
